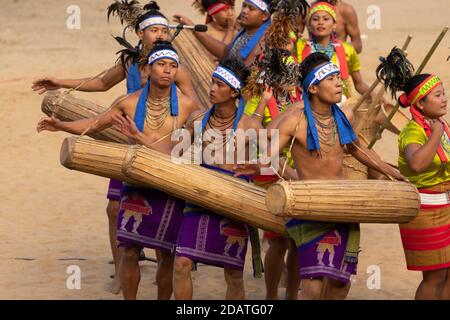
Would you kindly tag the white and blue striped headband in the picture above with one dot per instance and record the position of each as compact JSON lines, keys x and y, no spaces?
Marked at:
{"x":163,"y":54}
{"x":260,"y":4}
{"x":228,"y":77}
{"x":153,"y":21}
{"x":320,"y":73}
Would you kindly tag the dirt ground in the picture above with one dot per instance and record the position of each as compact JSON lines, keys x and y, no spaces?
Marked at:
{"x":53,"y":218}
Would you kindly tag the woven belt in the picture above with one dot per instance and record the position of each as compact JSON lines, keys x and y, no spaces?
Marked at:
{"x":435,"y":199}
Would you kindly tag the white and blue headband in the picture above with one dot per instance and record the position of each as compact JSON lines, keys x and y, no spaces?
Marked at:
{"x":163,"y":54}
{"x":233,"y":81}
{"x":153,"y":21}
{"x":260,"y":4}
{"x":228,"y":77}
{"x":318,"y":74}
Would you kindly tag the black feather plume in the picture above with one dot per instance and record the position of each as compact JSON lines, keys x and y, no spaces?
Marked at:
{"x":291,"y":8}
{"x":395,"y":71}
{"x":127,"y":11}
{"x":277,"y":71}
{"x":129,"y":54}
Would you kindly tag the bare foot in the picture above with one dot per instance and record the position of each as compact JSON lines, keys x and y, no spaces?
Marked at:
{"x":116,"y":287}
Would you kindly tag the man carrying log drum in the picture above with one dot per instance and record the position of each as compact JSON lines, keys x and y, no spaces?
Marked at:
{"x":150,"y":26}
{"x":247,"y":45}
{"x":206,"y":236}
{"x":157,"y":110}
{"x":321,"y":134}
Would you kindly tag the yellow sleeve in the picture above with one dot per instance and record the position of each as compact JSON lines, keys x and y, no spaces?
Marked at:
{"x":412,"y":133}
{"x":250,"y":108}
{"x":352,"y":58}
{"x":300,"y":44}
{"x":251,"y":105}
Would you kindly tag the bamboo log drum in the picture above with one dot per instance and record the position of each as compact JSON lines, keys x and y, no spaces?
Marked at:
{"x":365,"y":201}
{"x":66,"y":107}
{"x":138,"y":165}
{"x":96,"y":157}
{"x":353,"y":169}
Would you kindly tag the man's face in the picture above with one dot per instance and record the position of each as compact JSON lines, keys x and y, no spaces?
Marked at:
{"x":152,"y":34}
{"x":329,"y":90}
{"x":225,"y":18}
{"x":163,"y":72}
{"x":251,"y":16}
{"x":220,"y":92}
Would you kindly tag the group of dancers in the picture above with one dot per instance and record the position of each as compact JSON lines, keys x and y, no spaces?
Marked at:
{"x":269,"y":75}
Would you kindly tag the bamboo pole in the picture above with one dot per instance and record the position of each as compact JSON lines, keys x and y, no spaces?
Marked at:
{"x":419,"y":70}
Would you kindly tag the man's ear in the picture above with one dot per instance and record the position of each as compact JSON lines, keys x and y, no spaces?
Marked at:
{"x":140,"y":34}
{"x":313,"y":89}
{"x":266,"y":16}
{"x":148,"y":69}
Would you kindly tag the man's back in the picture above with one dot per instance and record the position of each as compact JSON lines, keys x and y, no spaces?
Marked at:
{"x":347,"y":25}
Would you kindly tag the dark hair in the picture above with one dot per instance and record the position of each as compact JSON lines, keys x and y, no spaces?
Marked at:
{"x":411,"y":84}
{"x":161,"y":45}
{"x":238,"y":68}
{"x":203,"y":5}
{"x":311,"y":62}
{"x":151,"y":9}
{"x":396,"y":73}
{"x":272,"y":5}
{"x":332,"y":2}
{"x":207,"y":3}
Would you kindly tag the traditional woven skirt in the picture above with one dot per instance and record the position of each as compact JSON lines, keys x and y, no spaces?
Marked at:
{"x":426,"y":239}
{"x":114,"y":189}
{"x":149,"y":218}
{"x":212,"y":239}
{"x":324,"y":257}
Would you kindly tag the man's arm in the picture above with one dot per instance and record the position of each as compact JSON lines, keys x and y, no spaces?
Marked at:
{"x":372,"y":160}
{"x":88,"y":126}
{"x":352,"y":27}
{"x":289,"y":173}
{"x":360,"y":85}
{"x":285,"y":130}
{"x":214,"y":46}
{"x":112,"y":77}
{"x":184,"y":83}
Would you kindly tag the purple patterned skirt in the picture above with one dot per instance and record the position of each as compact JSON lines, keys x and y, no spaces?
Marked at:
{"x":149,"y":218}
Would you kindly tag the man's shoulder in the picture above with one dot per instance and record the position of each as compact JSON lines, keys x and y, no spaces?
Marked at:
{"x":187,"y":102}
{"x":295,"y":110}
{"x":292,"y":117}
{"x":127,"y":100}
{"x":346,"y":8}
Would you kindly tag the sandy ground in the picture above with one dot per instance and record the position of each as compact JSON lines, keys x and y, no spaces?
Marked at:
{"x":52,"y":218}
